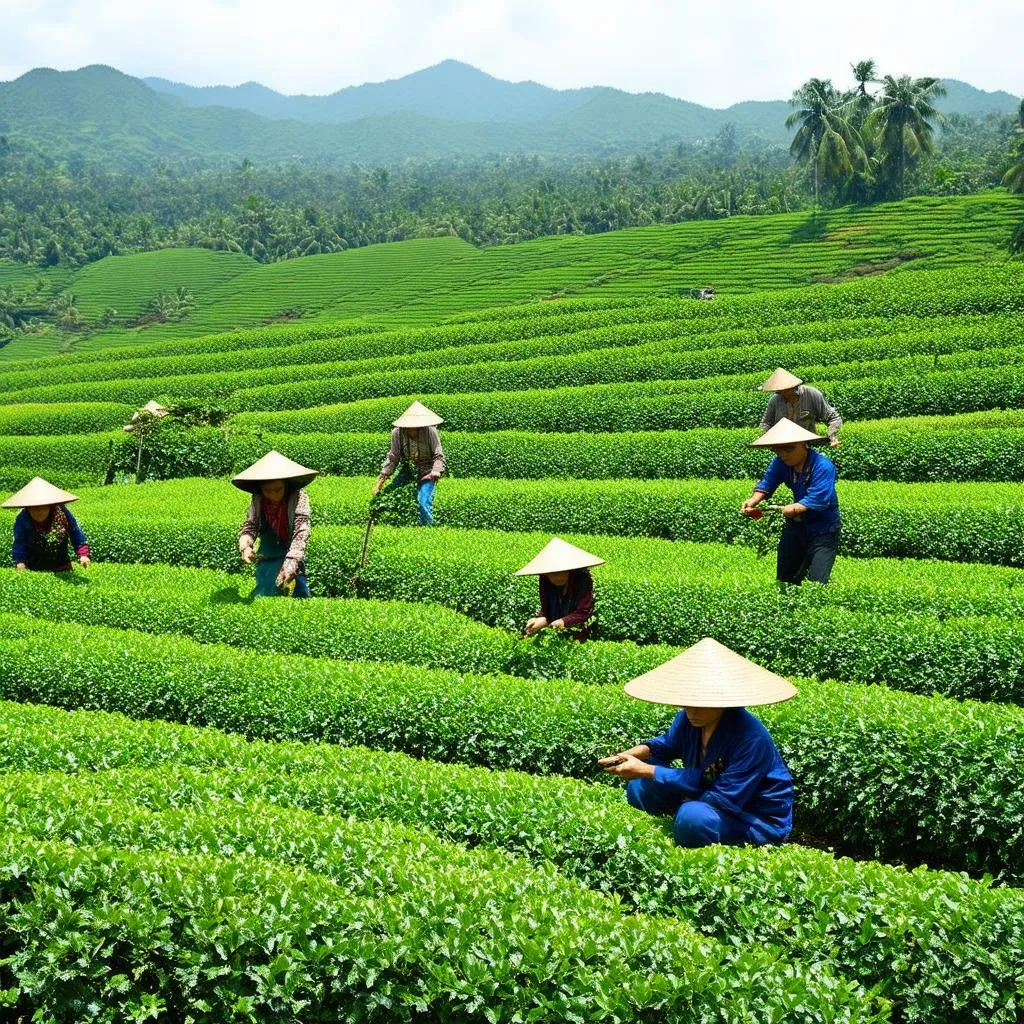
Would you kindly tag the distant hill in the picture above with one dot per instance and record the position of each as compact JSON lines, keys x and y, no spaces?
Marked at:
{"x":450,"y":109}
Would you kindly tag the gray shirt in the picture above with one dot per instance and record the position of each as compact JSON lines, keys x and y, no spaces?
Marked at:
{"x":810,"y":408}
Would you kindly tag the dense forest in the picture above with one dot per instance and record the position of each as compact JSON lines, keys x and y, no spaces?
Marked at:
{"x":848,"y":146}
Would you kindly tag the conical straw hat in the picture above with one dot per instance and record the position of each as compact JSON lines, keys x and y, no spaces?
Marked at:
{"x":709,"y":675}
{"x":39,"y":492}
{"x":273,"y":466}
{"x":559,"y":556}
{"x":418,"y":415}
{"x":780,"y":380}
{"x":155,"y":409}
{"x":786,"y":432}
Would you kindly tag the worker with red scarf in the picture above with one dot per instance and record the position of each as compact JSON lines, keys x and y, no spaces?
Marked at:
{"x":276,"y":528}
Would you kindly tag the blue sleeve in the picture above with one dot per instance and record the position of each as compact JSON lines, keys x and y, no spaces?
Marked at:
{"x":821,"y":490}
{"x":667,"y":748}
{"x":74,"y":530}
{"x":749,"y":764}
{"x":773,"y":476}
{"x":685,"y":780}
{"x":22,"y":532}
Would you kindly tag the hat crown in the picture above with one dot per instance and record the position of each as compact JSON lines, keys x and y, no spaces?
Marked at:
{"x":39,"y":492}
{"x":780,"y":380}
{"x":786,"y":432}
{"x":710,"y":675}
{"x":273,"y":466}
{"x":559,"y":556}
{"x":418,"y":415}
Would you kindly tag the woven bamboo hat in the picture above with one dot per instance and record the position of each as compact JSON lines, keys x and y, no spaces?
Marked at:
{"x":709,"y":675}
{"x":780,"y":380}
{"x":39,"y":492}
{"x":786,"y":432}
{"x":559,"y":556}
{"x":154,"y":409}
{"x":418,"y":415}
{"x":273,"y":466}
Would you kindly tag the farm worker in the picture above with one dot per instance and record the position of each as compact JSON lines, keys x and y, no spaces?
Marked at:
{"x":566,"y":588}
{"x":810,"y":534}
{"x":278,"y":517}
{"x":45,"y":530}
{"x":733,"y":786}
{"x":794,"y":400}
{"x":416,"y":447}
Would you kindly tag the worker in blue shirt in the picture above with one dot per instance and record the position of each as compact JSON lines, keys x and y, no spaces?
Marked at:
{"x":810,"y":534}
{"x":732,"y":785}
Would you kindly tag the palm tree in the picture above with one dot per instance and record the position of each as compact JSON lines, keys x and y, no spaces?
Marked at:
{"x":864,"y":72}
{"x":825,"y":138}
{"x":904,"y":117}
{"x":1014,"y":177}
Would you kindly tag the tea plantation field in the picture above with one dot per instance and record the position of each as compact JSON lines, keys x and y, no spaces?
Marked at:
{"x":383,"y":803}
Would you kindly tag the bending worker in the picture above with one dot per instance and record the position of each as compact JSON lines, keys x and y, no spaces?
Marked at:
{"x":278,"y":517}
{"x":810,"y":535}
{"x":733,"y":787}
{"x":45,"y":531}
{"x":799,"y":402}
{"x":416,"y":446}
{"x":566,"y":588}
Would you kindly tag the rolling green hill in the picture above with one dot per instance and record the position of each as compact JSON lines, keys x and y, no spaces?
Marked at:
{"x":426,"y":280}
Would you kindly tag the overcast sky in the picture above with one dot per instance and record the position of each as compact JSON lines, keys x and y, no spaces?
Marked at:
{"x":711,"y":53}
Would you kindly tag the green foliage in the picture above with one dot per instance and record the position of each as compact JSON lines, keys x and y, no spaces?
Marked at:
{"x":360,"y":930}
{"x":958,"y":941}
{"x":973,"y":819}
{"x":56,"y":419}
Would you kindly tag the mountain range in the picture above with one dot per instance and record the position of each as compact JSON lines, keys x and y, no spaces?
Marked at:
{"x":451,"y":109}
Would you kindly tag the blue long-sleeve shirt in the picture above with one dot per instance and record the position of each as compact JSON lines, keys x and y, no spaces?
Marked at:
{"x":742,"y":772}
{"x":815,"y":487}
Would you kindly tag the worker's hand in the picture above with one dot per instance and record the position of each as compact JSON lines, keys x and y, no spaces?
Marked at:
{"x":378,"y":484}
{"x":429,"y":478}
{"x":748,"y":506}
{"x":287,"y":573}
{"x":789,"y":511}
{"x":248,"y":555}
{"x":833,"y":442}
{"x":613,"y":759}
{"x":85,"y":561}
{"x":21,"y":565}
{"x":558,"y":624}
{"x":534,"y":625}
{"x":628,"y":767}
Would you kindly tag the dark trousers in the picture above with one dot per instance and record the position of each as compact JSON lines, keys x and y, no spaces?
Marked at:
{"x":806,"y":556}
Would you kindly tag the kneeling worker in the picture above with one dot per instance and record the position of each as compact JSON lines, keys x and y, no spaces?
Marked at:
{"x":794,"y":400}
{"x":810,"y":536}
{"x":566,"y":588}
{"x":734,"y":787}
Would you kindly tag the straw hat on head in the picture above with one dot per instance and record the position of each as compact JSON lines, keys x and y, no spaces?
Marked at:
{"x":418,"y":415}
{"x":786,"y":432}
{"x":559,"y":556}
{"x":273,"y":466}
{"x":780,"y":380}
{"x":709,"y":675}
{"x":39,"y":492}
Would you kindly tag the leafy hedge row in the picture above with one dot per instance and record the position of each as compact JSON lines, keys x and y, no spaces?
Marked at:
{"x":957,"y":522}
{"x":618,"y":366}
{"x":973,"y":818}
{"x":867,"y":453}
{"x":70,"y":418}
{"x":957,"y":942}
{"x":306,"y":918}
{"x":876,"y":450}
{"x":657,"y":593}
{"x":714,"y":353}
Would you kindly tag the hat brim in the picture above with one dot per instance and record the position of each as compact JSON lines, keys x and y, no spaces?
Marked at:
{"x":295,"y":482}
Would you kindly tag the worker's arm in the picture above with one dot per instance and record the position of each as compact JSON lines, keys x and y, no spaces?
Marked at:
{"x":437,"y":454}
{"x":827,"y":414}
{"x":250,"y":528}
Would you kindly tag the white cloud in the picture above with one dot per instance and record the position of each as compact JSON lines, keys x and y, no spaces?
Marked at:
{"x":708,"y":53}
